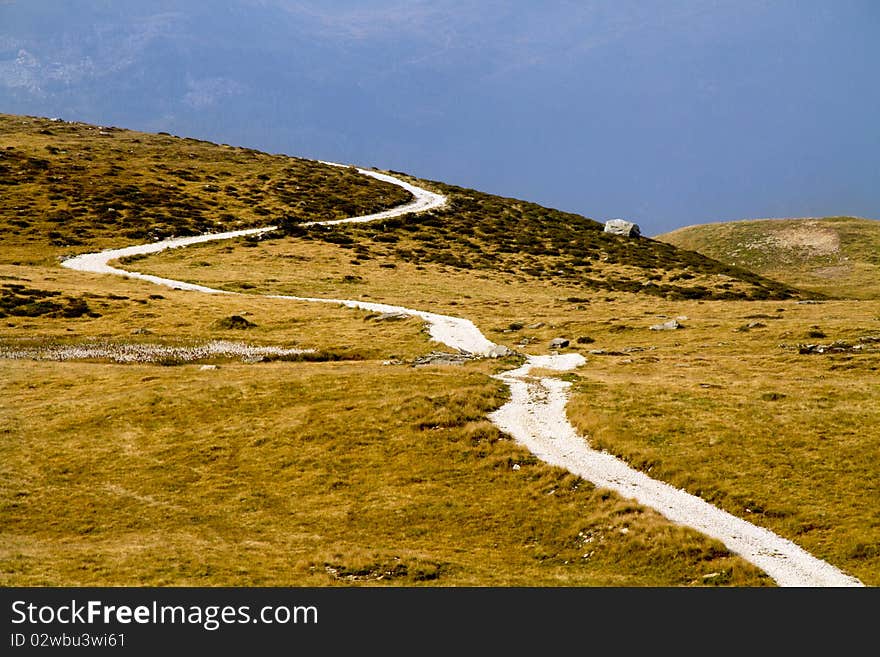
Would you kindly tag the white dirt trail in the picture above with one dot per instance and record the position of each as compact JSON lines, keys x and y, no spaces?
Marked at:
{"x":535,"y":415}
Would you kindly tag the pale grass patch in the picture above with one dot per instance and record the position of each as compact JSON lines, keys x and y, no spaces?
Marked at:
{"x":305,"y":474}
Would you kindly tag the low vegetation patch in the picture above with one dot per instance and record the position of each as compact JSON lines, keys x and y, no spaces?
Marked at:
{"x":160,"y":353}
{"x":19,"y":300}
{"x":477,"y":231}
{"x":234,"y":322}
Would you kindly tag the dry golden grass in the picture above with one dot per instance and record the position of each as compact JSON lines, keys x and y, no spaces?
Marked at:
{"x":340,"y":473}
{"x":786,"y":440}
{"x":305,"y":474}
{"x":134,"y":311}
{"x":701,"y":407}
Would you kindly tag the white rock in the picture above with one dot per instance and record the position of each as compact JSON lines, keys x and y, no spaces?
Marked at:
{"x":671,"y":325}
{"x":622,"y":227}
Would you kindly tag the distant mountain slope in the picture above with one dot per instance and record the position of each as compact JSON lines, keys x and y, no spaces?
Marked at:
{"x":835,"y":256}
{"x":71,"y":187}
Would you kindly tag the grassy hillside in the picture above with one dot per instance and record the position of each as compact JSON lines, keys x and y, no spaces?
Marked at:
{"x":481,"y":232}
{"x":834,"y":256}
{"x":356,"y":465}
{"x":64,"y":185}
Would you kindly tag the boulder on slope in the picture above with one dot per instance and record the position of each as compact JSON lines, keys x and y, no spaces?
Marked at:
{"x":622,"y":227}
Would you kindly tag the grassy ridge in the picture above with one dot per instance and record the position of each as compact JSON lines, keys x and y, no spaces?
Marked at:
{"x":833,"y":256}
{"x":67,"y":185}
{"x":478,"y":231}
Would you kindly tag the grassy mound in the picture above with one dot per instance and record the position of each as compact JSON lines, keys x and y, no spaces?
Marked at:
{"x":833,"y":256}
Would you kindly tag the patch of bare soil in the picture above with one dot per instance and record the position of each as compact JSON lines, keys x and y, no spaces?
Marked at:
{"x":809,"y":238}
{"x":835,"y":271}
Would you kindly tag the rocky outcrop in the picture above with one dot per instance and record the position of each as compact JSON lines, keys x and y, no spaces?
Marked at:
{"x":391,"y":317}
{"x":441,"y":358}
{"x":867,"y":343}
{"x":671,"y":325}
{"x":622,"y":227}
{"x":499,"y":351}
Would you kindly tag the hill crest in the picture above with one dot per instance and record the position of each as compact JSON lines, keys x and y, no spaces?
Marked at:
{"x":832,"y":256}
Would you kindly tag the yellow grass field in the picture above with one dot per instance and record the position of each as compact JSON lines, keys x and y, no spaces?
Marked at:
{"x":354,"y":466}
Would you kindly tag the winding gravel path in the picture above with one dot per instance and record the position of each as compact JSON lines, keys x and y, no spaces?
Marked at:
{"x":535,"y":414}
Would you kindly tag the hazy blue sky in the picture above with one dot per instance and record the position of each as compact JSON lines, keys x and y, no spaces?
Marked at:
{"x":668,"y":113}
